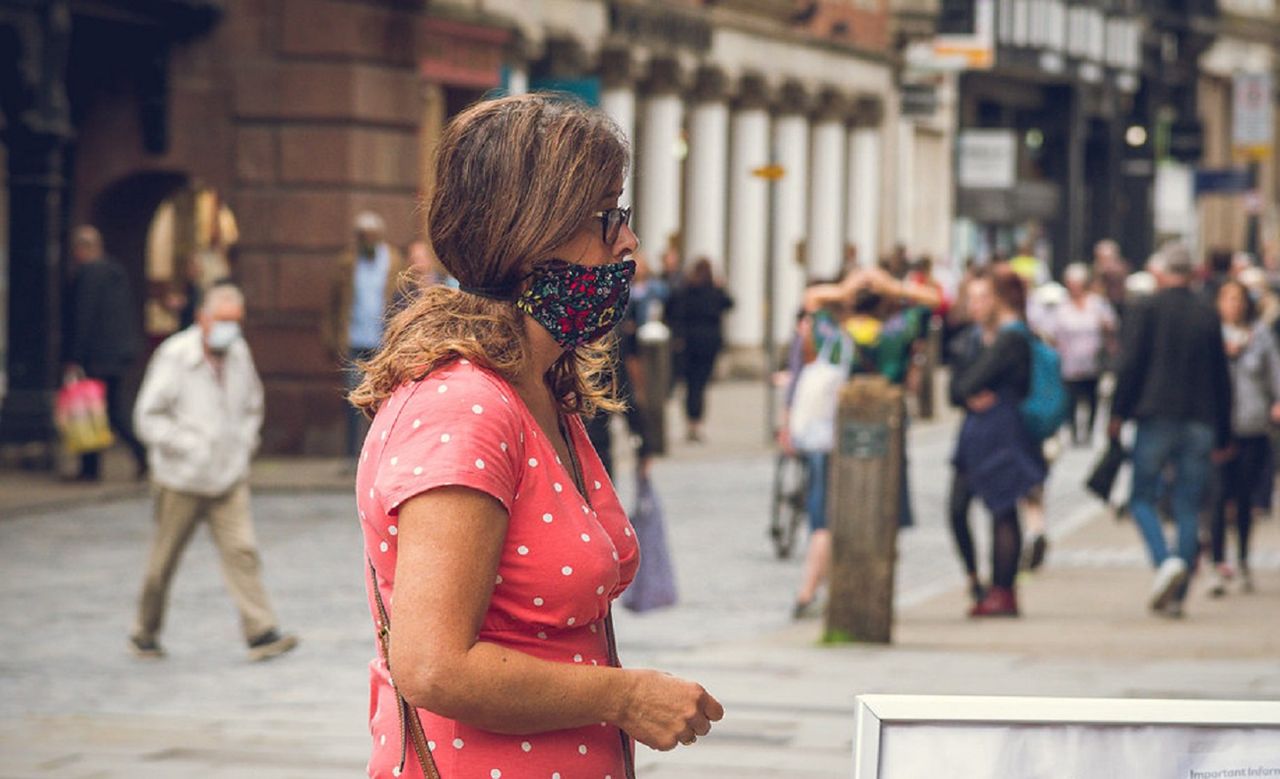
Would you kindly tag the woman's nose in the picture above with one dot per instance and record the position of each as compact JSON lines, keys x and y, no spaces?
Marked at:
{"x":627,"y":242}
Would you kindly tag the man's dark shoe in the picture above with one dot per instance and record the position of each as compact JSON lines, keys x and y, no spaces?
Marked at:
{"x":145,"y":648}
{"x":270,"y":644}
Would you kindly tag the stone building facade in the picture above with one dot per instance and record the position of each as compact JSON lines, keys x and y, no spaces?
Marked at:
{"x":258,"y":128}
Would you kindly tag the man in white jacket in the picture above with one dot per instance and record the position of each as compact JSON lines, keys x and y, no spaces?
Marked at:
{"x":199,"y":412}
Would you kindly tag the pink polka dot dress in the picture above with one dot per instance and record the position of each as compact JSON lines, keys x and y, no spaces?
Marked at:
{"x":565,"y":558}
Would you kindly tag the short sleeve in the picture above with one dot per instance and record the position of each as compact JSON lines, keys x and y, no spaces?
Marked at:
{"x":457,"y":427}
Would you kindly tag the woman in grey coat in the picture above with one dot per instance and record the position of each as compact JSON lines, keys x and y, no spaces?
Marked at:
{"x":1254,"y":360}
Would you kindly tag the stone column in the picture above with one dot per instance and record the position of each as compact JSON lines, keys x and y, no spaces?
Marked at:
{"x":658,"y":212}
{"x":618,"y":99}
{"x":749,"y":215}
{"x":826,"y":187}
{"x":791,"y":147}
{"x":705,"y":190}
{"x":864,"y":179}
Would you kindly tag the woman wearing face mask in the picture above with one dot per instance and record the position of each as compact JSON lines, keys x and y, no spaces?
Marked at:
{"x":485,"y":511}
{"x":1255,"y":389}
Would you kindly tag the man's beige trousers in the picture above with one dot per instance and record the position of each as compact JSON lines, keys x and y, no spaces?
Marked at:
{"x":177,"y":516}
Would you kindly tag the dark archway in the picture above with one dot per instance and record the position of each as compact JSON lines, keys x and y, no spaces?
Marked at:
{"x":123,"y":213}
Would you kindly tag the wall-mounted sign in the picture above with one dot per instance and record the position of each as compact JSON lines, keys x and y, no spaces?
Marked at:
{"x":1252,"y":116}
{"x":662,"y":27}
{"x":918,"y":100}
{"x":987,"y":159}
{"x":1223,"y":181}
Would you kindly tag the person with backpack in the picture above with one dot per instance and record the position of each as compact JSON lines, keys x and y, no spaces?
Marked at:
{"x":998,"y":457}
{"x":1174,"y":381}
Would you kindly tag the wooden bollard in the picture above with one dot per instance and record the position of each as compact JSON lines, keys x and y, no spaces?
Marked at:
{"x":863,"y":507}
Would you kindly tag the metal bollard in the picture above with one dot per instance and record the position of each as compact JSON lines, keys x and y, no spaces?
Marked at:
{"x":863,"y":508}
{"x":655,"y":360}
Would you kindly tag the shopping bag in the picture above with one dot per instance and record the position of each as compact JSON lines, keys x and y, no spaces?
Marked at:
{"x":655,"y":584}
{"x":817,"y":394}
{"x":1103,"y":476}
{"x":80,"y":414}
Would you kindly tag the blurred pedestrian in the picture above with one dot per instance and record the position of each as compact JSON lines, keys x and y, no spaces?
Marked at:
{"x":424,"y":268}
{"x":1254,"y":362}
{"x":1028,"y":265}
{"x":1262,"y":294}
{"x":484,"y":510}
{"x":672,"y":278}
{"x":1110,"y":270}
{"x":820,"y":340}
{"x":1080,"y":330}
{"x":200,"y":413}
{"x":696,"y":317}
{"x":1217,"y":270}
{"x":967,"y":346}
{"x":364,"y":288}
{"x":650,"y":293}
{"x":104,"y":340}
{"x":1174,"y":381}
{"x":997,"y":458}
{"x":888,"y":320}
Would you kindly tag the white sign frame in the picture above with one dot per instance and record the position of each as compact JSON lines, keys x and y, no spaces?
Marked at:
{"x":873,"y":712}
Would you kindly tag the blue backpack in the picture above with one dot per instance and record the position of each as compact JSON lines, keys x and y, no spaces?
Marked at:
{"x":1045,"y":409}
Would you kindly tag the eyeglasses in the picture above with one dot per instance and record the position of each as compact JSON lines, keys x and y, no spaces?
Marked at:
{"x":611,"y":222}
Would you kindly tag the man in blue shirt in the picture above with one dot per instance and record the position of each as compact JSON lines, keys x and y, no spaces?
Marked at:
{"x":363,"y":291}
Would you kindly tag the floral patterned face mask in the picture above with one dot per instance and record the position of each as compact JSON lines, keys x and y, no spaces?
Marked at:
{"x":578,"y":304}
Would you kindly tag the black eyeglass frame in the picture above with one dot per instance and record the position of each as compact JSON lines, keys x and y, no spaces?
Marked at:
{"x":611,"y":222}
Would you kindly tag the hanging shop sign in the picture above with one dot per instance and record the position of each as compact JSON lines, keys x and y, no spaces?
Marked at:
{"x":966,"y":34}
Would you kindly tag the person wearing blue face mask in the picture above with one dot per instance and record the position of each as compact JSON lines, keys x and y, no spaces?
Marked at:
{"x":199,"y":412}
{"x":484,"y":509}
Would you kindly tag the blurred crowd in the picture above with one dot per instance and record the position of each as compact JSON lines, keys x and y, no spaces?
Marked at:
{"x":1174,"y":363}
{"x":1185,"y":351}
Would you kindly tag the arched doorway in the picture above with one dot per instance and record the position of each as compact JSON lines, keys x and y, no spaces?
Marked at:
{"x":190,"y":244}
{"x":159,"y":225}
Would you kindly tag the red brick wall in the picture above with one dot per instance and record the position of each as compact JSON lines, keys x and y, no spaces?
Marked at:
{"x":866,"y":23}
{"x":301,"y":113}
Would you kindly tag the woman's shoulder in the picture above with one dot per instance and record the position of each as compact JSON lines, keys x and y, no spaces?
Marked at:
{"x":458,"y":387}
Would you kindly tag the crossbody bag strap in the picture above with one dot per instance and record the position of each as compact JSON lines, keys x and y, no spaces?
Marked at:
{"x":410,"y":724}
{"x":628,"y":759}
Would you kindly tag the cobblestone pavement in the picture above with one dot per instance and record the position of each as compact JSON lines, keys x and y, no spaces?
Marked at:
{"x":74,"y":703}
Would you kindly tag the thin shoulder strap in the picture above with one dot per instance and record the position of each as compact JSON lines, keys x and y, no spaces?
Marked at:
{"x":410,"y":725}
{"x":575,"y":469}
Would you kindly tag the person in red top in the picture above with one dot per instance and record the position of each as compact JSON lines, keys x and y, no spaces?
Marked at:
{"x":495,"y":541}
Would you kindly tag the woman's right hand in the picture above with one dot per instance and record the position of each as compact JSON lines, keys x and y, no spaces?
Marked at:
{"x":662,"y":711}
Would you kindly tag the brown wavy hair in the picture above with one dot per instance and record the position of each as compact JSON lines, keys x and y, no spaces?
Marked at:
{"x":515,"y":179}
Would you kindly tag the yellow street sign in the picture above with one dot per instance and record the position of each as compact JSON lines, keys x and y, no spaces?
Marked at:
{"x":770,"y":172}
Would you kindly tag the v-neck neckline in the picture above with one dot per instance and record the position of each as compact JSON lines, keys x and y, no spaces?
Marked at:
{"x":565,"y":429}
